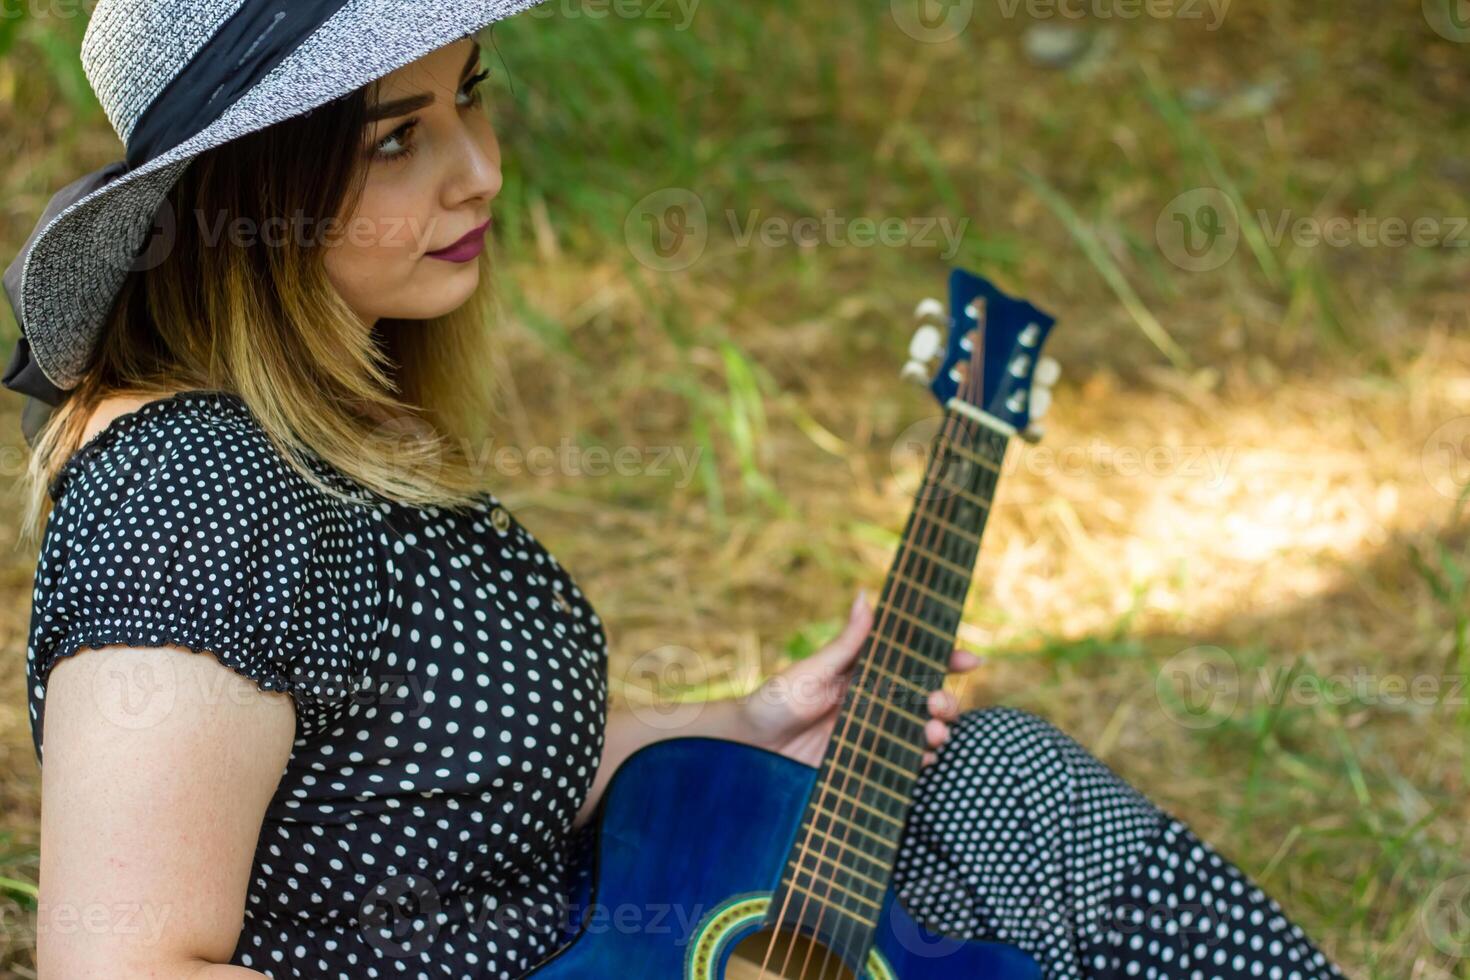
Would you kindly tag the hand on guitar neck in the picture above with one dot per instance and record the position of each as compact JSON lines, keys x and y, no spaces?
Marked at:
{"x":794,"y":711}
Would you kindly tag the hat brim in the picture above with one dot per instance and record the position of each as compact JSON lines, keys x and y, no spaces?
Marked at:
{"x":78,"y":262}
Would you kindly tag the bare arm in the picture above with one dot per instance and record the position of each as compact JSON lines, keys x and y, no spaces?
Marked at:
{"x":159,"y":764}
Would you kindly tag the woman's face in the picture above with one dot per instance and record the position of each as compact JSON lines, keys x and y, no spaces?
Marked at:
{"x":433,"y":169}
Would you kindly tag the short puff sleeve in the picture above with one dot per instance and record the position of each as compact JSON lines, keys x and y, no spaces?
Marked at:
{"x":181,"y":524}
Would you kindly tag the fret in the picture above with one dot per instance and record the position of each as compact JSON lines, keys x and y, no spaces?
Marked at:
{"x":869,"y":755}
{"x":925,"y":670}
{"x":890,"y":688}
{"x":868,"y":692}
{"x":829,"y":859}
{"x":911,"y":685}
{"x":894,"y":738}
{"x":969,"y":535}
{"x":982,"y":502}
{"x":817,"y":879}
{"x":905,"y":773}
{"x":972,"y":456}
{"x":860,"y":804}
{"x":900,"y":797}
{"x":930,"y":593}
{"x":944,"y":635}
{"x":850,"y":825}
{"x":915,"y":654}
{"x":817,"y":916}
{"x":937,"y":559}
{"x":887,"y":706}
{"x":858,"y":807}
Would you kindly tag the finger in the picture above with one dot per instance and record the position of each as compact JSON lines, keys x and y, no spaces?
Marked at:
{"x":839,"y":654}
{"x":962,"y":660}
{"x":943,"y":704}
{"x":936,"y":732}
{"x":930,"y":758}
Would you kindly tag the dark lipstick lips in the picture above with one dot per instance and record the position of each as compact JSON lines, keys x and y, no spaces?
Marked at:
{"x":469,"y":236}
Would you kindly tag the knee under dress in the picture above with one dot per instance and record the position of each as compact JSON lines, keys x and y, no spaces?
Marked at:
{"x":450,"y":686}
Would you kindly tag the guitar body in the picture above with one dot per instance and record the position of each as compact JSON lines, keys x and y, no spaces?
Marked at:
{"x":691,"y":839}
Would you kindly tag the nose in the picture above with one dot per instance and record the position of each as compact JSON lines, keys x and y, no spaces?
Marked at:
{"x":476,"y":171}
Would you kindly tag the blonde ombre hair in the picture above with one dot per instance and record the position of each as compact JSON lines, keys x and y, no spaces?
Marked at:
{"x":394,"y":408}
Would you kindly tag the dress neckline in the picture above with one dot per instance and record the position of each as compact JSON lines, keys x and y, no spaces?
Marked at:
{"x":115,"y":427}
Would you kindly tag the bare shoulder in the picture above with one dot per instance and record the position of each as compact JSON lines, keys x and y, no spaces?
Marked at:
{"x":113,"y":407}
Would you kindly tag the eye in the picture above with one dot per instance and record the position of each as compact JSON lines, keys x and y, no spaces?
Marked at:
{"x":470,"y":92}
{"x":471,"y":89}
{"x":384,"y":150}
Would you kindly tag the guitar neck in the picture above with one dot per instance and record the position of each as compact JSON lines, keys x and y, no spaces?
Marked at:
{"x":840,"y":866}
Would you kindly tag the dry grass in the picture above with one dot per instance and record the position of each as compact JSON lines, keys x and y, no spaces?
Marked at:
{"x":1292,"y":528}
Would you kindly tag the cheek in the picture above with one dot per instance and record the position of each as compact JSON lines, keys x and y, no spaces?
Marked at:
{"x":390,"y":222}
{"x":381,"y":241}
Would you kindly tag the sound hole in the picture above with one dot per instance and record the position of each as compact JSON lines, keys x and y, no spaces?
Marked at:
{"x":803,"y":958}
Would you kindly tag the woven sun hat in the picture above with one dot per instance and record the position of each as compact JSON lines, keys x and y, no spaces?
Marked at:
{"x":177,"y":78}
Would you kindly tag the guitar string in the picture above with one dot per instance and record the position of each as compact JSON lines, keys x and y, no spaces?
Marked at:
{"x":936,"y":464}
{"x":926,"y":638}
{"x":906,"y":552}
{"x":830,"y":785}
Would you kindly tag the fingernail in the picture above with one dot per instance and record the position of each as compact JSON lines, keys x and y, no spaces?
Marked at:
{"x":861,"y":599}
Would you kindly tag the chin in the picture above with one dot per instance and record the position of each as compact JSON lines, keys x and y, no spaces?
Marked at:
{"x":447,"y":293}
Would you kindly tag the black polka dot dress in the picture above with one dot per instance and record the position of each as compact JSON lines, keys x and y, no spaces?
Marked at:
{"x":450,"y":683}
{"x":449,"y":678}
{"x":1018,"y":835}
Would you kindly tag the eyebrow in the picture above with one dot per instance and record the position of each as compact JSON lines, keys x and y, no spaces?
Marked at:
{"x":411,"y":103}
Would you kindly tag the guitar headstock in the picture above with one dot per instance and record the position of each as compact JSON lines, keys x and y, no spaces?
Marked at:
{"x":991,"y":360}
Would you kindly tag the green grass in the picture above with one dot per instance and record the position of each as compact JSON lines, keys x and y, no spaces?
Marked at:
{"x":778,"y":366}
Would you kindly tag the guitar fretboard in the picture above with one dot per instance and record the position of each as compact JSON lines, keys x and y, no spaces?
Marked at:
{"x":841,"y":862}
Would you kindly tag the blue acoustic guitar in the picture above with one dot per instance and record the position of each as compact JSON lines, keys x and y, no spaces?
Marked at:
{"x":715,"y":860}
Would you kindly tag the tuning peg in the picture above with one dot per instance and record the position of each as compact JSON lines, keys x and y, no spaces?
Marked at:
{"x":930,"y":310}
{"x":1040,"y":402}
{"x":923,"y":348}
{"x":1048,"y":372}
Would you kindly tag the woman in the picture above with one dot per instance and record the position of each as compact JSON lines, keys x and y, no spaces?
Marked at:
{"x":314,"y":703}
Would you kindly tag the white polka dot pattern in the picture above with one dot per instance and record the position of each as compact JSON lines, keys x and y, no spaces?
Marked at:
{"x":450,"y":681}
{"x":1018,"y":835}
